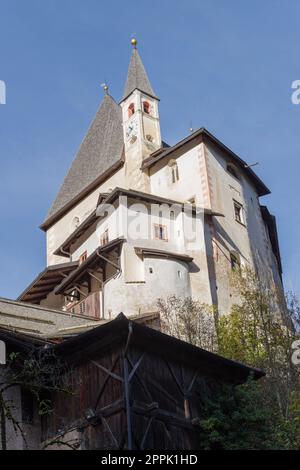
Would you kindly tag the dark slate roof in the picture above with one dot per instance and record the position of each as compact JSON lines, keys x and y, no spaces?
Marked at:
{"x":137,"y":77}
{"x":100,"y":150}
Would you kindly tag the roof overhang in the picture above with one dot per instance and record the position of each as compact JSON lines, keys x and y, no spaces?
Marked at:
{"x":46,"y":281}
{"x":141,"y":91}
{"x":64,"y":248}
{"x":204,"y":135}
{"x":85,"y":192}
{"x":163,"y":254}
{"x":96,"y":258}
{"x":114,"y":334}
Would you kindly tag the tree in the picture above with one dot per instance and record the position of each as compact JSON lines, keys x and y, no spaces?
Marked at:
{"x":38,"y":372}
{"x":189,"y":320}
{"x":236,"y":419}
{"x":259,"y":331}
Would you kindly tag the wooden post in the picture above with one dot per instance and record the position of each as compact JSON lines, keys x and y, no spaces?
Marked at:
{"x":127,"y":403}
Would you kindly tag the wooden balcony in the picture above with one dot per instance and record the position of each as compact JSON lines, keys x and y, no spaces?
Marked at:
{"x":90,"y":306}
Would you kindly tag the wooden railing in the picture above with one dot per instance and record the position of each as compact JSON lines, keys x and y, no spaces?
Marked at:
{"x":90,"y":306}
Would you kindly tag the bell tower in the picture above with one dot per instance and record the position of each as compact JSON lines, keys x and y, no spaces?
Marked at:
{"x":141,"y":127}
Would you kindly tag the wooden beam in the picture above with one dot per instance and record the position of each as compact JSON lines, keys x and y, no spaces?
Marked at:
{"x":109,"y":372}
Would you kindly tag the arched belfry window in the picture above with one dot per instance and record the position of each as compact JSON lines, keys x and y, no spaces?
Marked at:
{"x":174,"y":170}
{"x":146,"y":107}
{"x":131,"y":110}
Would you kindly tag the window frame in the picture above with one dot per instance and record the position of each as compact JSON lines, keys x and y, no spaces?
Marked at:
{"x":165,"y":231}
{"x":174,"y":173}
{"x":235,"y":261}
{"x":131,"y":110}
{"x":146,"y":107}
{"x":241,"y":218}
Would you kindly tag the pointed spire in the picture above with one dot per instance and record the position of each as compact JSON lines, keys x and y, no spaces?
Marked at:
{"x":137,"y":77}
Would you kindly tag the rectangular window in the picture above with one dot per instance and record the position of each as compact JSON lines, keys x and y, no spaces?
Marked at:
{"x":160,"y":232}
{"x":82,"y":257}
{"x":104,"y":238}
{"x":238,"y":212}
{"x":175,"y":173}
{"x":235,"y":262}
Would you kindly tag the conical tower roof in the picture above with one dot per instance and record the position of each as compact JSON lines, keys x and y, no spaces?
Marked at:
{"x":137,"y":77}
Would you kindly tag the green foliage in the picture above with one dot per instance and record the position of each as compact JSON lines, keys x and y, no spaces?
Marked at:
{"x":236,"y":419}
{"x":258,"y":331}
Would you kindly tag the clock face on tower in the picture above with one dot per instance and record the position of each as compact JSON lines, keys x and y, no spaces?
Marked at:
{"x":131,"y":129}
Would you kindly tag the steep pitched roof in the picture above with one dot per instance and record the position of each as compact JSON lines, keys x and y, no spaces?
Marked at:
{"x":137,"y":77}
{"x":161,"y":153}
{"x":101,"y":149}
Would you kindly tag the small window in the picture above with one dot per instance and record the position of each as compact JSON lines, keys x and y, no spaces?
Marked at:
{"x":151,"y":270}
{"x":160,"y":232}
{"x":238,"y":212}
{"x":175,"y":173}
{"x":231,"y":169}
{"x":82,"y":257}
{"x":235,"y":261}
{"x":27,"y":406}
{"x":146,"y":107}
{"x":179,"y":274}
{"x":131,"y":110}
{"x":104,"y":238}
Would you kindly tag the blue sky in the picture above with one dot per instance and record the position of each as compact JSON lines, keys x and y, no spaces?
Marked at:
{"x":225,"y":65}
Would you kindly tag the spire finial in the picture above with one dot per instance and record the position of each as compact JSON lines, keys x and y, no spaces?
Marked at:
{"x":133,"y":42}
{"x":105,"y":87}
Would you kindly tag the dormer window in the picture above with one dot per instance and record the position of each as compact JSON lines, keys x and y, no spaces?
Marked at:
{"x":131,"y":110}
{"x":146,"y":107}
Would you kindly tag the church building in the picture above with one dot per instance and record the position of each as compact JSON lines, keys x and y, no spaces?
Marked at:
{"x":137,"y":219}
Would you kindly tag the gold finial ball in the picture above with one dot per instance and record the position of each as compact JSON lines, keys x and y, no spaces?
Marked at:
{"x":104,"y":87}
{"x":133,"y":42}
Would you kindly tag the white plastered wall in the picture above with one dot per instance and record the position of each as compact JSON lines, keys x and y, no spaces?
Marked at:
{"x":60,"y":231}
